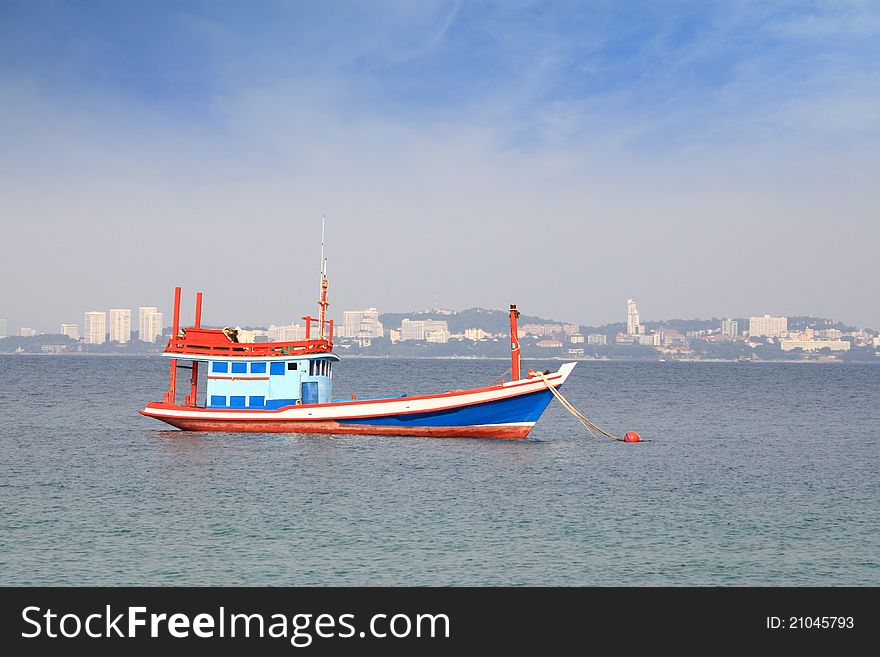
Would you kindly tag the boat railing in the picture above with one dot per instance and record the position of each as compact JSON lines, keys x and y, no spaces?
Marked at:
{"x":268,"y":349}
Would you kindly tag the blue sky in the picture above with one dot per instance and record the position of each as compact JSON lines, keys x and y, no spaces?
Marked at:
{"x":707,"y":158}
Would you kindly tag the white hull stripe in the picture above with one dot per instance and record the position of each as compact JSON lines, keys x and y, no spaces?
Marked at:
{"x":373,"y":408}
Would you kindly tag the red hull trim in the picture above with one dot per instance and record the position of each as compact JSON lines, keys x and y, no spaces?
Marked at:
{"x":333,"y":427}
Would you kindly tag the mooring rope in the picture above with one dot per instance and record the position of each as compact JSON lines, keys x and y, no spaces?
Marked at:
{"x":590,"y":426}
{"x":499,"y":378}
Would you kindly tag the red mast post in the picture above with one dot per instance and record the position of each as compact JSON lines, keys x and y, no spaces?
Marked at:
{"x":194,"y":378}
{"x":175,"y":330}
{"x":514,"y":344}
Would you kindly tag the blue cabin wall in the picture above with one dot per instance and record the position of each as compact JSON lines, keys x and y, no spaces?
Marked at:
{"x":260,"y":384}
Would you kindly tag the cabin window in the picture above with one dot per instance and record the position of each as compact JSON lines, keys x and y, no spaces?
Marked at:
{"x":258,"y":368}
{"x":257,"y":401}
{"x":311,"y":368}
{"x":218,"y":400}
{"x":219,"y":366}
{"x":276,"y":368}
{"x":329,"y":369}
{"x":239,"y":368}
{"x":236,"y":401}
{"x":291,"y":366}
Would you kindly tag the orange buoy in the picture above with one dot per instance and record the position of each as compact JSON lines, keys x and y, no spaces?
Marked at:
{"x":631,"y":437}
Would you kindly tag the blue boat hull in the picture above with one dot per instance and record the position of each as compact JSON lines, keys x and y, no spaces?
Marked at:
{"x":515,"y":410}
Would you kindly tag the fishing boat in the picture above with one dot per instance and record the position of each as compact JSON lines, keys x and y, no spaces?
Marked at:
{"x":286,"y":387}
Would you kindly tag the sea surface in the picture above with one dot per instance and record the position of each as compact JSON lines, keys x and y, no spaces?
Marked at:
{"x":751,"y":474}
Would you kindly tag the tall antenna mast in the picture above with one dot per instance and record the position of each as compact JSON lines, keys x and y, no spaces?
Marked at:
{"x":324,"y":284}
{"x":323,"y":259}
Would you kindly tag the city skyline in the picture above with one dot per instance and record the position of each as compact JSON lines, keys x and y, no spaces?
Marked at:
{"x":365,"y":322}
{"x":708,"y":158}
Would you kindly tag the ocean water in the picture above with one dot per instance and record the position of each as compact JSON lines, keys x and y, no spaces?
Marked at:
{"x":752,"y":474}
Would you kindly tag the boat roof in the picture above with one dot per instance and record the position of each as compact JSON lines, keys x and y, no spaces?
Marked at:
{"x":214,"y":344}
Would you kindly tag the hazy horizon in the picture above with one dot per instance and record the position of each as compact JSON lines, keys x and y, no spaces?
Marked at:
{"x":707,"y":159}
{"x":187,"y":312}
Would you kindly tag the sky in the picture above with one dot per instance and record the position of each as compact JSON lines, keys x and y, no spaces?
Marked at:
{"x":709,"y":159}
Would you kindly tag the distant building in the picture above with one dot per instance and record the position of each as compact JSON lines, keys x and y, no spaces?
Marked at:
{"x":95,"y":327}
{"x":830,"y":334}
{"x":549,"y":344}
{"x":767,"y":326}
{"x":533,"y":329}
{"x":672,"y":338}
{"x":395,"y":336}
{"x":361,"y":324}
{"x":412,"y":329}
{"x":70,"y":330}
{"x":576,"y":352}
{"x":652,"y":340}
{"x":626,"y":338}
{"x":576,"y":338}
{"x":149,"y":323}
{"x":286,"y":333}
{"x":633,"y":320}
{"x":861,"y":337}
{"x":730,"y":328}
{"x":2,"y":328}
{"x":547,"y":329}
{"x":476,"y":334}
{"x":814,"y":345}
{"x":438,"y":336}
{"x":418,"y":329}
{"x":120,"y":325}
{"x":597,"y":339}
{"x":27,"y":332}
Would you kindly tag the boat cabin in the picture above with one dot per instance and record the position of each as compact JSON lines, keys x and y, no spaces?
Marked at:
{"x":268,"y":383}
{"x":253,"y":376}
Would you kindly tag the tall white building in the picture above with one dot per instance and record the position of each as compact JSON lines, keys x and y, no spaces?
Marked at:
{"x":26,"y":332}
{"x":633,"y":324}
{"x":361,"y":324}
{"x":767,"y":326}
{"x":70,"y":330}
{"x":730,"y":328}
{"x":149,"y":323}
{"x":2,"y":328}
{"x":120,"y":325}
{"x":95,"y":327}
